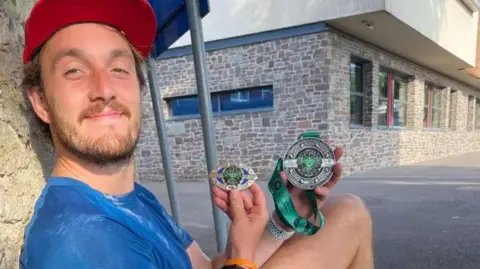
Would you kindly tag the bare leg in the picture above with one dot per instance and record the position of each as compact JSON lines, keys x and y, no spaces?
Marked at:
{"x":345,"y":242}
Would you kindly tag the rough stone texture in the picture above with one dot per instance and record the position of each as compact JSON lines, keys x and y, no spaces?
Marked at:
{"x":371,"y":147}
{"x":21,"y":174}
{"x":445,"y":113}
{"x":471,"y":113}
{"x":453,"y":123}
{"x":310,"y":79}
{"x":296,"y":70}
{"x":415,"y":97}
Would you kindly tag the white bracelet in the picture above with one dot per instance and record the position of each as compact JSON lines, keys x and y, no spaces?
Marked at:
{"x":277,"y":231}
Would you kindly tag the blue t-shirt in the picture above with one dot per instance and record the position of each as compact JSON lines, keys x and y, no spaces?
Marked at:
{"x":77,"y":227}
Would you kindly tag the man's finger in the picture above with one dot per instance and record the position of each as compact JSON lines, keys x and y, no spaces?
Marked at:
{"x":337,"y":174}
{"x":221,"y":204}
{"x":321,"y":192}
{"x":220,"y":193}
{"x":338,"y":153}
{"x":283,"y":176}
{"x":247,"y":200}
{"x":237,"y":208}
{"x":285,"y":181}
{"x":258,"y":195}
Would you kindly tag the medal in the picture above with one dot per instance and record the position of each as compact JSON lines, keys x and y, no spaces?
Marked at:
{"x":229,"y":176}
{"x":308,"y":163}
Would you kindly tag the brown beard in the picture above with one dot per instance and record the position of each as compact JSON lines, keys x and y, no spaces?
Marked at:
{"x":108,"y":149}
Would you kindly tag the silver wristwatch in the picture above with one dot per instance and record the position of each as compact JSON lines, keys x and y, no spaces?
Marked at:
{"x":277,"y":231}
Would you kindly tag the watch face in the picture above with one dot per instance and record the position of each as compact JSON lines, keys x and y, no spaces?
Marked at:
{"x":308,"y":163}
{"x":229,"y":176}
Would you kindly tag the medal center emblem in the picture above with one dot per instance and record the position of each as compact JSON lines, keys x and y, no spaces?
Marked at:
{"x":229,"y":176}
{"x":308,"y":163}
{"x":232,"y":175}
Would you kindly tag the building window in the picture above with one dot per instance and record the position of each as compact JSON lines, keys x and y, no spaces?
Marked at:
{"x":227,"y":101}
{"x":392,"y":99}
{"x":356,"y":93}
{"x":432,"y":107}
{"x":477,"y":116}
{"x":452,"y":116}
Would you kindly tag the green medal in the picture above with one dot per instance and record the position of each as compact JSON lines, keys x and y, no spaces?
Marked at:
{"x":308,"y":163}
{"x":229,"y":176}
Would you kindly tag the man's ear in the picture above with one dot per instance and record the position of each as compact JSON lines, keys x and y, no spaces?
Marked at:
{"x":39,"y":104}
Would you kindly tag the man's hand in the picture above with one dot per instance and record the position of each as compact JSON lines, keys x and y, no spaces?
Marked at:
{"x":249,"y":215}
{"x":299,"y":197}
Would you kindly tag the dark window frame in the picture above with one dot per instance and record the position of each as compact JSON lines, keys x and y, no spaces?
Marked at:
{"x":477,"y":114}
{"x":357,"y":64}
{"x":430,"y":106}
{"x":392,"y":75}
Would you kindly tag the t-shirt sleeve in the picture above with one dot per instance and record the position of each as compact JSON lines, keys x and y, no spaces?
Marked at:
{"x":182,"y":235}
{"x":87,"y":243}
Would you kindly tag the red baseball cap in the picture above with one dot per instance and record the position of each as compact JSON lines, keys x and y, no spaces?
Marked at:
{"x":135,"y":18}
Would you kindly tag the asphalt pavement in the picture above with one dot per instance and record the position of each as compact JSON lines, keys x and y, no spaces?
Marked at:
{"x":426,"y":216}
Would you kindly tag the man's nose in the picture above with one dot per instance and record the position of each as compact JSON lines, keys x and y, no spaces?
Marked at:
{"x":101,"y":88}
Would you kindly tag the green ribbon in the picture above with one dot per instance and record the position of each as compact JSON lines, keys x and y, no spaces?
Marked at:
{"x":284,"y":205}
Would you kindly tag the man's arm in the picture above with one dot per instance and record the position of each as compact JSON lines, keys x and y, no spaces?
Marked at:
{"x":267,"y":247}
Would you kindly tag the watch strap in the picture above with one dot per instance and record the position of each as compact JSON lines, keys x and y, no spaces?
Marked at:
{"x":277,"y":231}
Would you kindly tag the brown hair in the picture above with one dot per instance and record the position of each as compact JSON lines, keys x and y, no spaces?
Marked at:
{"x":33,"y":79}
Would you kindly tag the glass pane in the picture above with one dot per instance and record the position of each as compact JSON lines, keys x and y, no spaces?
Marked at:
{"x":247,"y":99}
{"x":382,"y":112}
{"x":425,"y":117}
{"x":184,"y":106}
{"x":214,"y":99}
{"x":356,"y":109}
{"x":189,"y":106}
{"x":400,"y":89}
{"x":425,"y":96}
{"x":356,"y":78}
{"x":399,"y":114}
{"x":383,"y":85}
{"x":437,"y":98}
{"x":435,"y":118}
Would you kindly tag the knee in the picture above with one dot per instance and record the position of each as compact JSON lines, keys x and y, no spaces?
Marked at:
{"x":350,"y":209}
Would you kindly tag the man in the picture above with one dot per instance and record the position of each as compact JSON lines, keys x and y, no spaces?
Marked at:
{"x":83,"y":78}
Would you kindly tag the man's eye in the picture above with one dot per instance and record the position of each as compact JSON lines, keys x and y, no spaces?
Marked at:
{"x":72,"y":71}
{"x":119,"y":70}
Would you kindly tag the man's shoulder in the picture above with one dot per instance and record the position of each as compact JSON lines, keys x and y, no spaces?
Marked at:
{"x":60,"y":211}
{"x":56,"y":201}
{"x":67,"y":226}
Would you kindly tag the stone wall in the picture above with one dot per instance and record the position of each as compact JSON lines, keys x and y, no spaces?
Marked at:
{"x":296,"y":70}
{"x":371,"y":147}
{"x":311,"y":87}
{"x":21,"y":174}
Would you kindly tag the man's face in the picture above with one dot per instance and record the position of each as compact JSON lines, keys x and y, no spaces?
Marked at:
{"x":92,"y":93}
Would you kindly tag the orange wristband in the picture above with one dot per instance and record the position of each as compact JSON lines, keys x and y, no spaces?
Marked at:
{"x":242,"y":262}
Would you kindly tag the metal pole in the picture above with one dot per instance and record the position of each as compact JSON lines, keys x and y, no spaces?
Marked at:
{"x":162,"y":140}
{"x":209,"y":140}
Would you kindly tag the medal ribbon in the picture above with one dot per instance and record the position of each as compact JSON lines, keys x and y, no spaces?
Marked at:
{"x":284,"y":205}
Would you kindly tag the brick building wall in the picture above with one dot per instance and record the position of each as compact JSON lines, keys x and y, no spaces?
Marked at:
{"x":310,"y":78}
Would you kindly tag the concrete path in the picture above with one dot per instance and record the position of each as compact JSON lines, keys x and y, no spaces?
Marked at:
{"x":426,"y":216}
